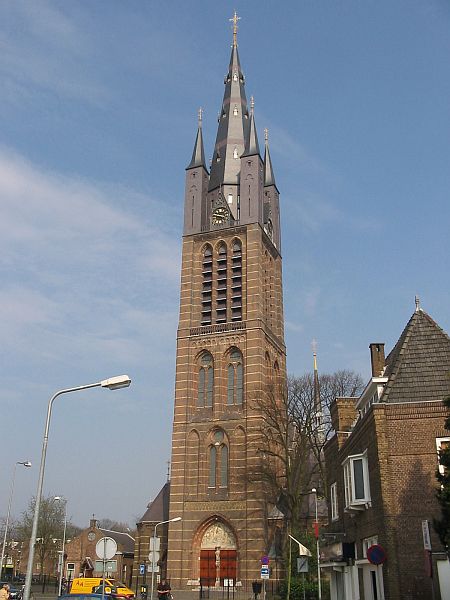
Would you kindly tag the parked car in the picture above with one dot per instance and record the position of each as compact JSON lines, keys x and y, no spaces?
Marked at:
{"x":80,"y":597}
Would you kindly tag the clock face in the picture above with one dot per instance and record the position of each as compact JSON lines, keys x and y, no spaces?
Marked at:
{"x":91,"y":536}
{"x":220,"y":215}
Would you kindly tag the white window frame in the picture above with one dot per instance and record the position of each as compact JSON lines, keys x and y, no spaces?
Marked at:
{"x":334,"y":502}
{"x":441,"y":442}
{"x":367,"y":543}
{"x":351,"y":501}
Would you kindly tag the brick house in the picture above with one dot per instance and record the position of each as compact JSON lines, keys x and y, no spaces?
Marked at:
{"x":157,"y":512}
{"x":81,"y":555}
{"x":382,"y":461}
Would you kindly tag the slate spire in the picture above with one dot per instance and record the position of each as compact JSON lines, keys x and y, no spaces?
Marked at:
{"x":198,"y":154}
{"x":269,"y":178}
{"x":318,"y":414}
{"x":233,"y":128}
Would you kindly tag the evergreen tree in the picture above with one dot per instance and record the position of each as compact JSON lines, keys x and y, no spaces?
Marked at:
{"x":442,"y":525}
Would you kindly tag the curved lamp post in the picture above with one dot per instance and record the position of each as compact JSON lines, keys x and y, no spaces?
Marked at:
{"x":114,"y":383}
{"x":25,"y":463}
{"x":153,"y":550}
{"x":62,"y":561}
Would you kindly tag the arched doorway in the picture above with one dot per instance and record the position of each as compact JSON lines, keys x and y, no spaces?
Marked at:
{"x":218,"y":556}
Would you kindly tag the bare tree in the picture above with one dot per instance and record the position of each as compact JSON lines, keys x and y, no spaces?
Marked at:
{"x":49,"y":531}
{"x":295,"y":428}
{"x":114,"y":526}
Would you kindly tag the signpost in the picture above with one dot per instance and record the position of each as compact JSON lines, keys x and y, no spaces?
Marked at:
{"x":105,"y":549}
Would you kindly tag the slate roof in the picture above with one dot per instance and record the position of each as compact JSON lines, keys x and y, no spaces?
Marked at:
{"x":418,"y":367}
{"x":124,"y":540}
{"x":158,"y":510}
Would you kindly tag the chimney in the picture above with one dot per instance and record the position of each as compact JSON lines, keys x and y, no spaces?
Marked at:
{"x":377,"y":359}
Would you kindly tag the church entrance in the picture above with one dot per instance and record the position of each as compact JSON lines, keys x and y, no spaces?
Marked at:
{"x":218,"y":556}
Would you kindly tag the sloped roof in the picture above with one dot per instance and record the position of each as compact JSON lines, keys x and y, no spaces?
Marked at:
{"x":124,"y":540}
{"x":158,"y":510}
{"x":418,"y":367}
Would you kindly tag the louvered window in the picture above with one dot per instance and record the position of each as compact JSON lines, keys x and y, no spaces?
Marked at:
{"x":207,"y":273}
{"x":236,"y":281}
{"x":221,"y":285}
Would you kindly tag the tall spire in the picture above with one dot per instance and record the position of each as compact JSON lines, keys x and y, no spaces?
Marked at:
{"x":198,"y":154}
{"x":269,"y":178}
{"x":318,"y":415}
{"x":233,"y":127}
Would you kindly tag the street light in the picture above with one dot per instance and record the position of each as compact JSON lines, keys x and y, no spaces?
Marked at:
{"x":25,"y":463}
{"x":153,"y":550}
{"x":319,"y":588}
{"x":62,"y":560}
{"x":114,"y":383}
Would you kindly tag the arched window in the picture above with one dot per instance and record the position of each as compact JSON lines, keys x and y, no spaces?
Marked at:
{"x":221,"y":305}
{"x":224,"y":466}
{"x":205,"y":380}
{"x":235,"y":378}
{"x":218,"y":460}
{"x":207,"y":271}
{"x":236,"y":281}
{"x":212,"y":466}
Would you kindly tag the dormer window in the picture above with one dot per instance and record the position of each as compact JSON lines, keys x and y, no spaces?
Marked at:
{"x":235,"y":153}
{"x":235,"y":76}
{"x":235,"y":110}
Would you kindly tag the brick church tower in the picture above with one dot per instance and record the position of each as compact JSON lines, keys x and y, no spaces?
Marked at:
{"x":230,"y":349}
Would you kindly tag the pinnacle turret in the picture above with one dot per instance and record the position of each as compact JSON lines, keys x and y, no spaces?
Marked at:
{"x":252,"y":145}
{"x":269,"y":178}
{"x":198,"y":154}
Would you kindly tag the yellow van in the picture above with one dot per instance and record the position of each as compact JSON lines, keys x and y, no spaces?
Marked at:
{"x":93,"y":585}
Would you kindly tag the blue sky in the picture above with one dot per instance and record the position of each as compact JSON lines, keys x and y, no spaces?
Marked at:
{"x":98,"y":118}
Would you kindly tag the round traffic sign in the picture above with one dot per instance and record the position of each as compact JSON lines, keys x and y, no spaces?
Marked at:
{"x":106,"y":548}
{"x":376,"y":554}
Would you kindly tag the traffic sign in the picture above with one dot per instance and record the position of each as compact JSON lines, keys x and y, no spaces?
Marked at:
{"x":106,"y":548}
{"x":302,"y":564}
{"x":141,"y":569}
{"x":265,"y":572}
{"x":155,"y":542}
{"x":376,"y":554}
{"x":265,"y":560}
{"x":153,"y":557}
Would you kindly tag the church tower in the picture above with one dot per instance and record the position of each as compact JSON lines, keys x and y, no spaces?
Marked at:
{"x":230,"y":349}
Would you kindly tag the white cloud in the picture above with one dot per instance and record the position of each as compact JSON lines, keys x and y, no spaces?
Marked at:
{"x":82,"y":276}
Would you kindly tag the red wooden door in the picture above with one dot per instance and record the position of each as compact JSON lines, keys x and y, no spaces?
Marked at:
{"x":207,"y":567}
{"x":227,"y":565}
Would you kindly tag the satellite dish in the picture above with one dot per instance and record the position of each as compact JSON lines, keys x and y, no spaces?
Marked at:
{"x":106,"y":548}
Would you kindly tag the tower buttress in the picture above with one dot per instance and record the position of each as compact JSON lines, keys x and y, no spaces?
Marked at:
{"x":195,"y":208}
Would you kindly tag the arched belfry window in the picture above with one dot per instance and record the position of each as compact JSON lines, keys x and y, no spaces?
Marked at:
{"x":236,"y":281}
{"x":205,"y":380}
{"x":235,"y":378}
{"x":207,"y":278}
{"x":221,"y":305}
{"x":218,"y":453}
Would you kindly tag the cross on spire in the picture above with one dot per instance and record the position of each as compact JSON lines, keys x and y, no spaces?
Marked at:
{"x":200,"y":116}
{"x":235,"y":20}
